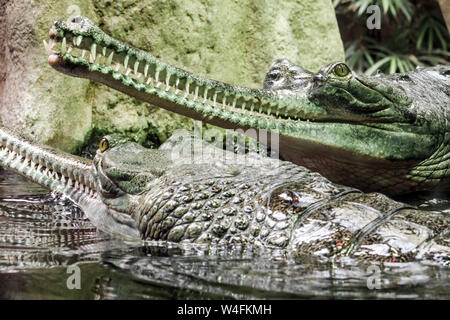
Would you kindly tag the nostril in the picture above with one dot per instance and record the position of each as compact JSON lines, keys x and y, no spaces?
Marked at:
{"x":76,"y":19}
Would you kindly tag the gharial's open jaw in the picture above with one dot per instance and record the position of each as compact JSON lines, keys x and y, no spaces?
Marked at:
{"x":135,"y":68}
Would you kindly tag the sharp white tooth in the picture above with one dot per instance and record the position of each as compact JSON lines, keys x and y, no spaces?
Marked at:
{"x":125,"y":63}
{"x":205,"y":95}
{"x":49,"y":46}
{"x":46,"y":46}
{"x":128,"y":72}
{"x":214,"y":99}
{"x":157,"y":76}
{"x":177,"y":82}
{"x":110,"y":57}
{"x":136,"y":66}
{"x":70,"y":49}
{"x":64,"y":46}
{"x":104,"y":51}
{"x":146,"y":69}
{"x":83,"y":53}
{"x":168,"y":81}
{"x":148,"y":80}
{"x":93,"y":52}
{"x":117,"y":67}
{"x":158,"y":85}
{"x":187,"y":89}
{"x":196,"y":93}
{"x":79,"y":39}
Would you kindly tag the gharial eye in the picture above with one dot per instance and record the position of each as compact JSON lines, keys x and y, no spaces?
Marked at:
{"x":341,"y":70}
{"x":103,"y":145}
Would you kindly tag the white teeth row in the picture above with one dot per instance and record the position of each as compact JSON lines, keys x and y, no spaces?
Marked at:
{"x":22,"y":163}
{"x":95,"y":57}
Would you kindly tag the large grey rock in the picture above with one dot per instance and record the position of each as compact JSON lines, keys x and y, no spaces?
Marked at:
{"x":232,"y":41}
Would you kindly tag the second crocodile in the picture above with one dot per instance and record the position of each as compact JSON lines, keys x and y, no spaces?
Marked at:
{"x":240,"y":200}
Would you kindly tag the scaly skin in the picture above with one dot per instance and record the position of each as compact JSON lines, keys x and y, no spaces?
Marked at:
{"x":137,"y":193}
{"x":381,"y":133}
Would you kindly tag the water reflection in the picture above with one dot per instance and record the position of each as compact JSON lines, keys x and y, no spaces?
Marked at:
{"x":41,"y":234}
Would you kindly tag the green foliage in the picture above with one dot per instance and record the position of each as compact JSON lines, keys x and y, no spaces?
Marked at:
{"x":430,"y":30}
{"x":412,"y":34}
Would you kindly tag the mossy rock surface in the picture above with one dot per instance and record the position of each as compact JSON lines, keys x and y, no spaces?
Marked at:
{"x":231,"y":41}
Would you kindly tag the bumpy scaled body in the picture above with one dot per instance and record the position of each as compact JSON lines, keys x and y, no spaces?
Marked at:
{"x":247,"y":199}
{"x":226,"y":198}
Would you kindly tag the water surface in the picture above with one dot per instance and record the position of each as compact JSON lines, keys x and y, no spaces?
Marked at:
{"x":43,"y":235}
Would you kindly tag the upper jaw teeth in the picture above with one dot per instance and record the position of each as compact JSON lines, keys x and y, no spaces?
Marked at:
{"x":49,"y":46}
{"x":140,"y":70}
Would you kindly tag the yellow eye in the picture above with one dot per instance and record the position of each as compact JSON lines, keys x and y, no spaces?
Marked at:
{"x":341,"y":70}
{"x":103,"y":145}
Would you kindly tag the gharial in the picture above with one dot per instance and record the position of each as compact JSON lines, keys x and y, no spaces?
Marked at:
{"x":379,"y":133}
{"x":240,"y":200}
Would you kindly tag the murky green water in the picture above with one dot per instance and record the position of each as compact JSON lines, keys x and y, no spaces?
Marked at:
{"x":42,"y":238}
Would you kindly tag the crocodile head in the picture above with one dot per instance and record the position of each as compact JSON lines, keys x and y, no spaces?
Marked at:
{"x":123,"y":172}
{"x":355,"y":130}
